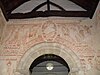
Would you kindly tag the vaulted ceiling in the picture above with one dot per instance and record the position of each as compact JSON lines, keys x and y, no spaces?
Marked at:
{"x":8,"y":6}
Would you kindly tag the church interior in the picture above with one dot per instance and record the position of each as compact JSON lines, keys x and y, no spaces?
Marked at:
{"x":49,"y":37}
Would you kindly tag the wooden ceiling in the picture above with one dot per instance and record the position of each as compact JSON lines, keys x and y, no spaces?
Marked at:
{"x":8,"y":6}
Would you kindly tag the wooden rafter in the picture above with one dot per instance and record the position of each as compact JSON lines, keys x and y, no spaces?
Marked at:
{"x":8,"y":6}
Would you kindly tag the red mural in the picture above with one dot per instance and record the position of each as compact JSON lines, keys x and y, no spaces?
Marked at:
{"x":22,"y":37}
{"x":74,"y":36}
{"x":49,"y":31}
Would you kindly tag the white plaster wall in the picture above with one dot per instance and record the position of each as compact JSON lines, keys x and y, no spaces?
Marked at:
{"x":2,"y":24}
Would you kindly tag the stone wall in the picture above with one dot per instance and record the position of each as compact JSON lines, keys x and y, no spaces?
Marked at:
{"x":79,"y":37}
{"x":2,"y":24}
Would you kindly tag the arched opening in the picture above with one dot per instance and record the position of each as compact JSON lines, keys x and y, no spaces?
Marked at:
{"x":42,"y":49}
{"x":49,"y":64}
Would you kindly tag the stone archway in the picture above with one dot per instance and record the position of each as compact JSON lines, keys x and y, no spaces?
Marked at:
{"x":49,"y":48}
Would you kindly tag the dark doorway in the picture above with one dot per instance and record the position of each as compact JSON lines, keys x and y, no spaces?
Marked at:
{"x":49,"y":64}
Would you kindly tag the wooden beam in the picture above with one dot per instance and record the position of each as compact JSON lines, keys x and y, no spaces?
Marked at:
{"x":39,"y":6}
{"x":35,"y":14}
{"x":48,"y":5}
{"x":93,"y":8}
{"x":3,"y":10}
{"x":89,"y":5}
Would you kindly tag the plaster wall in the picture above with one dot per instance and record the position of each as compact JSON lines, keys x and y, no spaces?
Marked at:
{"x":24,"y":40}
{"x":2,"y":24}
